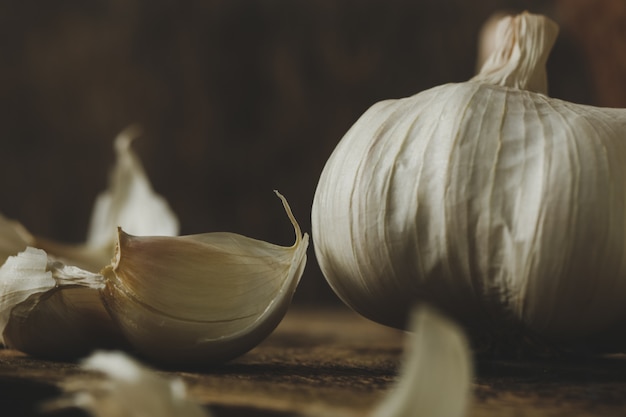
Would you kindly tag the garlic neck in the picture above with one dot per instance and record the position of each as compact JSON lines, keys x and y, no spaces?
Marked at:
{"x":521,"y":48}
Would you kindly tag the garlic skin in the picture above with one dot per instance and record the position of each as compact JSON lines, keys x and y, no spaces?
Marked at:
{"x":130,"y":201}
{"x":201,"y":299}
{"x":129,"y":388}
{"x":501,"y":206}
{"x":51,"y":310}
{"x":436,"y":372}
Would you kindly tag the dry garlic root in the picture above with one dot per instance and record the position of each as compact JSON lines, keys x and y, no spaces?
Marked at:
{"x":502,"y":206}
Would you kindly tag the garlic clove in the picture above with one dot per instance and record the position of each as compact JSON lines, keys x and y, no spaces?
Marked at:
{"x":201,"y":299}
{"x":129,"y":388}
{"x":51,"y":310}
{"x":436,"y":372}
{"x":130,"y":202}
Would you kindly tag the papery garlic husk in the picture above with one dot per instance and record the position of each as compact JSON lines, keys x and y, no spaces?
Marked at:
{"x":125,"y":388}
{"x":436,"y":370}
{"x":201,"y":299}
{"x":51,"y":310}
{"x":503,"y":207}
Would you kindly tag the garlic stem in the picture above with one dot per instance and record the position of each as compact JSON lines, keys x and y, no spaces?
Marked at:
{"x":522,"y":47}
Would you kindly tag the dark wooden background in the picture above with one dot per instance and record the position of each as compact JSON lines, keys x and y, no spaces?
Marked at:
{"x":239,"y":97}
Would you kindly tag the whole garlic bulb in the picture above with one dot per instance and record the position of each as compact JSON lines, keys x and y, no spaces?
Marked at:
{"x":498,"y":204}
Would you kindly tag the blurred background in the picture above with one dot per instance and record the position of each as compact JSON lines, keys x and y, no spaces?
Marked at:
{"x":240,"y":97}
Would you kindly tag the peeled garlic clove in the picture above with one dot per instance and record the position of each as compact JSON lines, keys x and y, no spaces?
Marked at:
{"x":52,"y":310}
{"x":128,"y":388}
{"x":501,"y":206}
{"x":202,"y":298}
{"x":436,"y":372}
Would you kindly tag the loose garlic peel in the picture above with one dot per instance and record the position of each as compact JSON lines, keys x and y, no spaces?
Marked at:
{"x":202,"y":298}
{"x":496,"y":203}
{"x":51,"y":310}
{"x":127,"y":388}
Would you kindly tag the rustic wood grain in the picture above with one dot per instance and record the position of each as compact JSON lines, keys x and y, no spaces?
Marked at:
{"x":332,"y":362}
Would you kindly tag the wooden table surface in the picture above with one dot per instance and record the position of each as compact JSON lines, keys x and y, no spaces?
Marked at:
{"x":332,"y":362}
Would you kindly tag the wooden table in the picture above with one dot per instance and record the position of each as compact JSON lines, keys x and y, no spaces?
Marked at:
{"x":332,"y":362}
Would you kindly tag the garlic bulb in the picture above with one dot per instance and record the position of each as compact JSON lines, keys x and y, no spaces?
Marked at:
{"x":52,"y":310}
{"x":503,"y":207}
{"x":204,"y":298}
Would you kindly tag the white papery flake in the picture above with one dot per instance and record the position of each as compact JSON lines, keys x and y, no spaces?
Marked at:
{"x":127,"y":389}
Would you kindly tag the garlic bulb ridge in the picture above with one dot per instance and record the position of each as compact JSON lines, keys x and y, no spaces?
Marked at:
{"x":503,"y":207}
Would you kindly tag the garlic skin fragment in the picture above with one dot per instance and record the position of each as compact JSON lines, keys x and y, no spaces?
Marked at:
{"x":51,"y":310}
{"x":501,"y":206}
{"x":201,"y":299}
{"x":21,"y":277}
{"x":436,"y":373}
{"x":129,"y":389}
